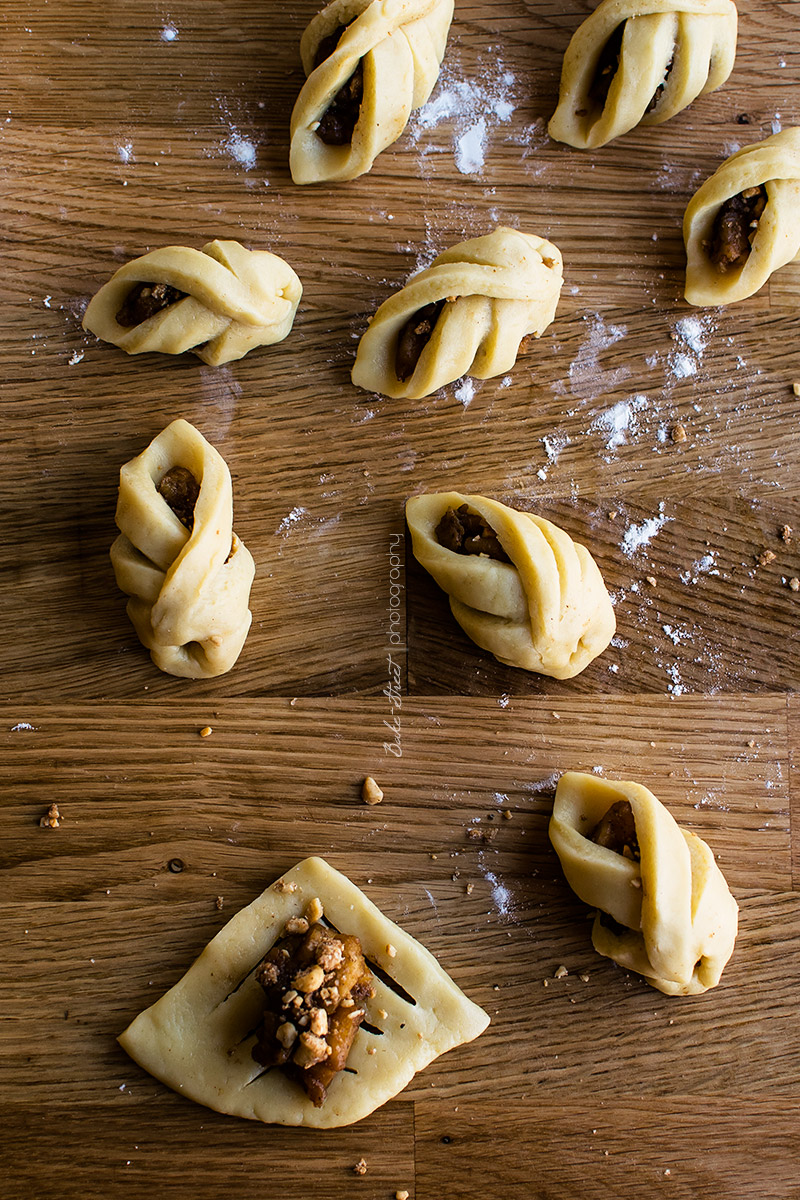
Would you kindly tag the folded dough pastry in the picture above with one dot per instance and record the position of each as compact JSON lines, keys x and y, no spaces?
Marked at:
{"x":744,"y":222}
{"x":199,"y":1037}
{"x":465,"y":314}
{"x":369,"y":63}
{"x":186,"y":572}
{"x":219,"y":302}
{"x":637,"y":62}
{"x":518,"y":585}
{"x":665,"y":910}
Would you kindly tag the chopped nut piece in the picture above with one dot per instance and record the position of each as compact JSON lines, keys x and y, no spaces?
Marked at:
{"x":390,"y":950}
{"x":206,"y":731}
{"x":583,"y":978}
{"x":561,"y":973}
{"x":751,"y":743}
{"x":311,"y":1050}
{"x":796,"y":389}
{"x":372,"y":1050}
{"x":51,"y":819}
{"x":651,"y":579}
{"x":766,"y":557}
{"x":476,"y":834}
{"x":370,"y":792}
{"x":403,"y":1195}
{"x":313,"y":911}
{"x":331,"y":955}
{"x":786,"y":534}
{"x":470,"y":888}
{"x":296,"y":925}
{"x":507,"y":814}
{"x":360,"y":1168}
{"x":319,"y":1022}
{"x":309,"y":980}
{"x":612,"y":516}
{"x":281,"y":886}
{"x":218,"y":903}
{"x":678,"y":433}
{"x":286,"y":1034}
{"x":794,"y":584}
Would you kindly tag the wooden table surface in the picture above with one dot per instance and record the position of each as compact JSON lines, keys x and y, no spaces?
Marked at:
{"x":128,"y":126}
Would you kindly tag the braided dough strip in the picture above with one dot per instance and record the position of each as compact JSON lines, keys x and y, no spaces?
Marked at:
{"x":236,"y":299}
{"x":697,"y":37}
{"x":402,"y":44}
{"x":547,"y":610}
{"x":680,"y":918}
{"x":188,"y":591}
{"x":497,"y":290}
{"x":773,"y":163}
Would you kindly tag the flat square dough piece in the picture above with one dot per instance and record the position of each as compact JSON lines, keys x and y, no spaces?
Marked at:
{"x":198,"y":1037}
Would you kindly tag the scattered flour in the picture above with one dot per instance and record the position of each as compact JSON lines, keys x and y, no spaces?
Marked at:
{"x":241,"y":149}
{"x":637,"y":536}
{"x":500,"y":893}
{"x":22,"y":726}
{"x":586,"y":377}
{"x":169,"y":33}
{"x":125,"y":152}
{"x":294,"y":516}
{"x":619,"y":421}
{"x":465,"y":391}
{"x":707,"y":565}
{"x":75,"y":358}
{"x":472,"y":107}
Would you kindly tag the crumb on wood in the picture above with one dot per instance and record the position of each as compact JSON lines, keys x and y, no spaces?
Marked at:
{"x":401,"y":1195}
{"x":561,"y":972}
{"x":218,"y":903}
{"x":584,"y":978}
{"x":51,"y":819}
{"x":206,"y":731}
{"x":785,"y":533}
{"x":476,"y":834}
{"x":360,"y":1168}
{"x":766,"y":557}
{"x":507,"y":814}
{"x":794,"y":584}
{"x":796,"y":388}
{"x":370,"y":792}
{"x":470,"y":888}
{"x":612,"y":516}
{"x":651,"y":579}
{"x":678,"y":433}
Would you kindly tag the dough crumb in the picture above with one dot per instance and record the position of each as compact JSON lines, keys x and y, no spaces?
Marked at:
{"x":678,"y":433}
{"x":390,"y":950}
{"x":796,"y":389}
{"x":561,"y":972}
{"x":51,"y":819}
{"x":370,"y":792}
{"x":360,"y":1168}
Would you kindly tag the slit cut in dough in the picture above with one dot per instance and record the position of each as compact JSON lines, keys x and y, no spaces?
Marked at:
{"x":773,"y":164}
{"x":399,"y":45}
{"x":198,"y":1037}
{"x":673,"y":918}
{"x":546,"y":610}
{"x":189,"y":588}
{"x":494,"y":291}
{"x":670,"y":52}
{"x":232,"y":300}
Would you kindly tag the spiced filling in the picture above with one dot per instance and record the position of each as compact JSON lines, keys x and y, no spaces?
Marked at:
{"x":617,"y":831}
{"x":414,"y":337}
{"x":659,"y":92}
{"x":181,"y":490}
{"x":337,"y":123}
{"x":735,"y":226}
{"x":316,"y":984}
{"x":145,"y":300}
{"x":465,"y":532}
{"x":607,"y":66}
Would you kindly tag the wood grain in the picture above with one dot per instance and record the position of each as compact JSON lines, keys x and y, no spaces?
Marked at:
{"x":114,"y":140}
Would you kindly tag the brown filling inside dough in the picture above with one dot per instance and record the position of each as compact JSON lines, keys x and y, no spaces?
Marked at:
{"x":414,"y":337}
{"x":659,"y":92}
{"x":607,"y":65}
{"x":145,"y":300}
{"x":316,"y":985}
{"x":180,"y":489}
{"x":337,"y":123}
{"x":617,"y":831}
{"x":735,"y":226}
{"x":466,"y":532}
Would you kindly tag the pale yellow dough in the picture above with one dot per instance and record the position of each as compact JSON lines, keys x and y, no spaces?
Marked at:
{"x":775,"y":163}
{"x":236,"y":299}
{"x":198,"y":1037}
{"x":680,"y":918}
{"x":697,"y":37}
{"x":498,"y":289}
{"x":402,"y":44}
{"x":547,"y":610}
{"x":188,"y":591}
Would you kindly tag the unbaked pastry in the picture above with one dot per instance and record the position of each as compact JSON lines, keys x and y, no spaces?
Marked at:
{"x":523,"y":590}
{"x":672,"y":918}
{"x":219,"y":302}
{"x":744,"y":222}
{"x":186,"y":572}
{"x":369,"y":63}
{"x":198,"y":1038}
{"x":637,"y":62}
{"x":465,"y":314}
